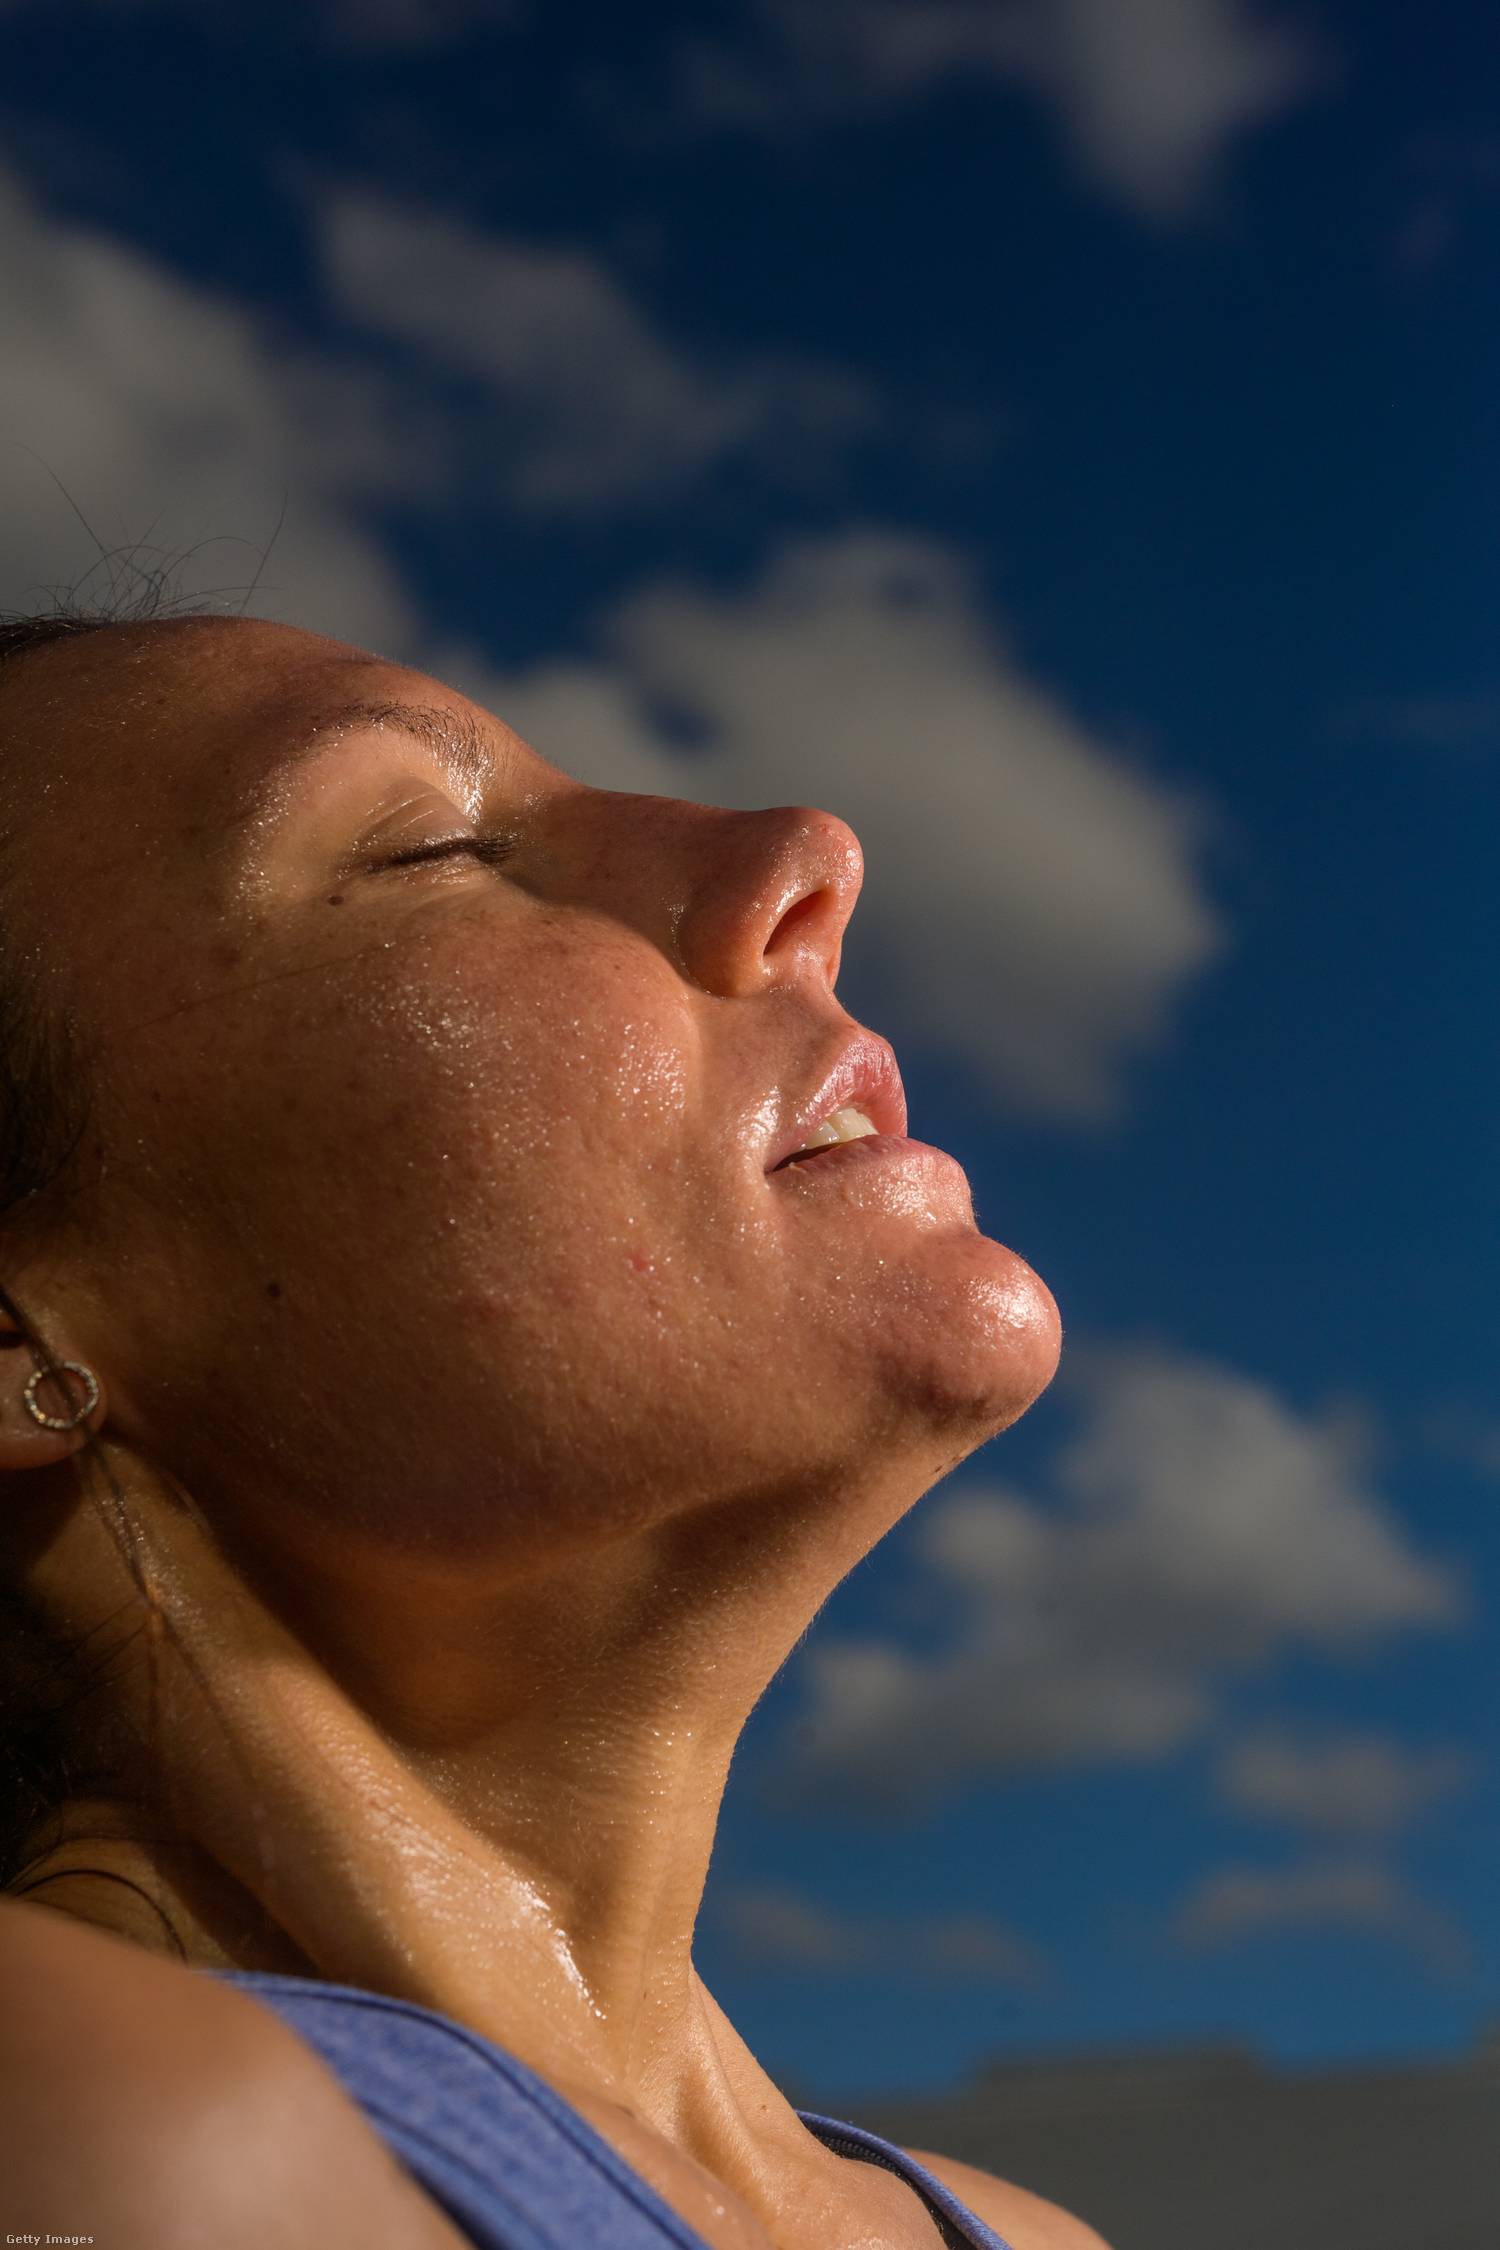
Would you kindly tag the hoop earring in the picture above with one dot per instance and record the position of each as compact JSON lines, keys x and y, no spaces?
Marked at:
{"x":62,"y":1421}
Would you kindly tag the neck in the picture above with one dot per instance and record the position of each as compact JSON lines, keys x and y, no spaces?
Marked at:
{"x":498,"y":1801}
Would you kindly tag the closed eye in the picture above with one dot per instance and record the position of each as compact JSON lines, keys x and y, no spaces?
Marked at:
{"x":492,"y":851}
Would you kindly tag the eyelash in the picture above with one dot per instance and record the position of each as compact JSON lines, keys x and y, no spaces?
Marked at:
{"x":491,"y":851}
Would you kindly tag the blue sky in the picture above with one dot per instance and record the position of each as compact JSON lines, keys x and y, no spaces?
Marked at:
{"x":1058,"y":436}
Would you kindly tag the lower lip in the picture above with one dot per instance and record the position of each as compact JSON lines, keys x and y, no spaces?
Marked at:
{"x":872,"y":1148}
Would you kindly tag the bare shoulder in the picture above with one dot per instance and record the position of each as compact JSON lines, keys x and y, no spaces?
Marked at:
{"x":155,"y":2108}
{"x":1027,"y":2221}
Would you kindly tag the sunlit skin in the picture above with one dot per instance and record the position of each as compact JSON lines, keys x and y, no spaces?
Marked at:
{"x":428,"y":1246}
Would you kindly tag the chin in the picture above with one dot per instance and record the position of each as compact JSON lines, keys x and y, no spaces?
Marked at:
{"x":977,"y":1349}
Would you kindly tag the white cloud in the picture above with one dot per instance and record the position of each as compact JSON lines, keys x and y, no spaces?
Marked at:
{"x":1032,"y":899}
{"x":171,"y":414}
{"x":1149,"y":92}
{"x":1337,"y":1783}
{"x":587,"y":404}
{"x":778,"y":1927}
{"x":1208,"y":1493}
{"x":169,"y":417}
{"x":1240,"y":1903}
{"x":1201,"y":1526}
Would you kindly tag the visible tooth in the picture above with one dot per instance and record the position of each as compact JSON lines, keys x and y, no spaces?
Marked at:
{"x":842,"y":1125}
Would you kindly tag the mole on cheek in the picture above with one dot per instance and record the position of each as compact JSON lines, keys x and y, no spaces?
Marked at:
{"x":337,"y":899}
{"x":273,"y":1288}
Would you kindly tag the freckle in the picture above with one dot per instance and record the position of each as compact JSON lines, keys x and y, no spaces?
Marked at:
{"x":273,"y":1288}
{"x":337,"y":899}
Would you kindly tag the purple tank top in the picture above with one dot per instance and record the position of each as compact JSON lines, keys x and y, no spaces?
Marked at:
{"x":514,"y":2165}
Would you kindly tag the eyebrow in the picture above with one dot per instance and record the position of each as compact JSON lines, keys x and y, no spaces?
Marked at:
{"x":455,"y":737}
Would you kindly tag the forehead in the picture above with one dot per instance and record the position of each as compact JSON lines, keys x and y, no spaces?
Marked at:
{"x":183,"y":724}
{"x":230,"y":670}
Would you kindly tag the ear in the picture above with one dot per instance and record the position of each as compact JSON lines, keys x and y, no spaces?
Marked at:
{"x":26,"y":1443}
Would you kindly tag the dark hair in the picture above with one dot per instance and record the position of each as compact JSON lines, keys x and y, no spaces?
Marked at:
{"x":47,"y":1085}
{"x":46,"y":1091}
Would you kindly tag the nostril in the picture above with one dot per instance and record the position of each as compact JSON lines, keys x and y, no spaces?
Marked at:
{"x":798,"y":912}
{"x":793,"y":921}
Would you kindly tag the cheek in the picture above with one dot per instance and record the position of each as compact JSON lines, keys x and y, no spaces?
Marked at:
{"x":520,"y":1084}
{"x":446,"y":1176}
{"x":564,"y":1057}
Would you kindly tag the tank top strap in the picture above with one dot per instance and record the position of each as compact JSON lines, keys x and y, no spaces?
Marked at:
{"x":514,"y":2165}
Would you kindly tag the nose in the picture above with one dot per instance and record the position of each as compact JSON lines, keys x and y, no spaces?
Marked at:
{"x":775,"y":891}
{"x":739,"y":901}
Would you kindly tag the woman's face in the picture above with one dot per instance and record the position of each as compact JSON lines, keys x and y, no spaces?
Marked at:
{"x":435,"y":1222}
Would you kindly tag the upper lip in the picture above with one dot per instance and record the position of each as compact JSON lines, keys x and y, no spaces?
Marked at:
{"x":863,"y":1076}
